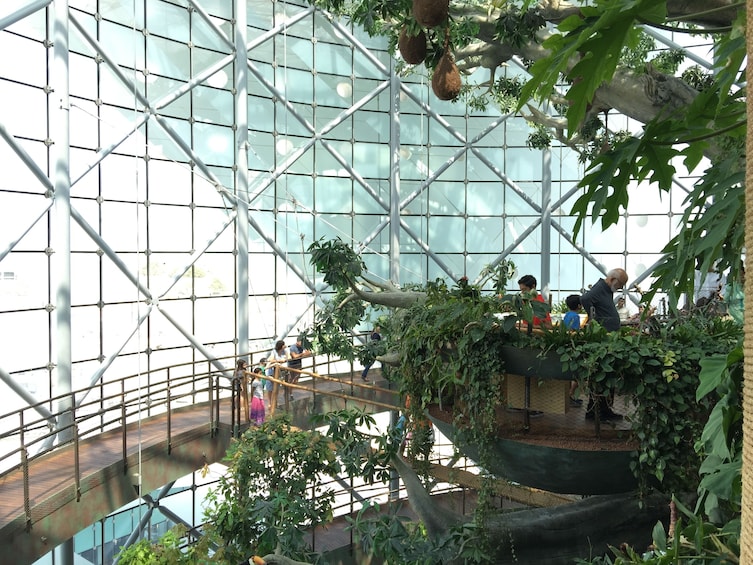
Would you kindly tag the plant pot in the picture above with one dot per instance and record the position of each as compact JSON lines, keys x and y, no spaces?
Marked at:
{"x":555,"y":469}
{"x":446,"y":82}
{"x":412,"y":47}
{"x":533,"y":362}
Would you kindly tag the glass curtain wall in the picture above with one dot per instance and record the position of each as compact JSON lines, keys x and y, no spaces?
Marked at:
{"x":165,"y":170}
{"x":163,"y":268}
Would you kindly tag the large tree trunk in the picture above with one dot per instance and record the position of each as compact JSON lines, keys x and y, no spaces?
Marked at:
{"x":551,"y":535}
{"x":582,"y":529}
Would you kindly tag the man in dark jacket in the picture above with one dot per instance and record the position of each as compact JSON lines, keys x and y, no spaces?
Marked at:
{"x":599,"y":305}
{"x":599,"y":302}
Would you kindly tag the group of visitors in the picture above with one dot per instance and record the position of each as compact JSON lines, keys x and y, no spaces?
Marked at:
{"x":598,"y":303}
{"x":288,"y":363}
{"x":287,"y":360}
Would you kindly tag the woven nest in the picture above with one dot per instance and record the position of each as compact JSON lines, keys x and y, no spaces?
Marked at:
{"x":446,"y":81}
{"x":430,"y":13}
{"x":412,"y":47}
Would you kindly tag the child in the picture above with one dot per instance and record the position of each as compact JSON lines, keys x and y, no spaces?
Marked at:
{"x":268,"y":371}
{"x":572,"y":318}
{"x":257,"y":397}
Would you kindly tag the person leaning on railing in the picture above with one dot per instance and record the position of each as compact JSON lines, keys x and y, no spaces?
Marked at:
{"x":296,"y":353}
{"x":276,"y":361}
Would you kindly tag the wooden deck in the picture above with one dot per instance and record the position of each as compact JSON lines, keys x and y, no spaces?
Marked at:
{"x":59,"y":506}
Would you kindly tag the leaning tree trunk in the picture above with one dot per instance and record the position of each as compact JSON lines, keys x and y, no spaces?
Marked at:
{"x":746,"y":528}
{"x":583,"y":529}
{"x":554,"y":535}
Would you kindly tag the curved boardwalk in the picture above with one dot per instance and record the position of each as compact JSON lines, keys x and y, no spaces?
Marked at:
{"x":62,"y":492}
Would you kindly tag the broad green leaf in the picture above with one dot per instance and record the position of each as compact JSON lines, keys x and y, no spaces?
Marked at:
{"x":714,"y":436}
{"x":659,"y":536}
{"x":712,"y":371}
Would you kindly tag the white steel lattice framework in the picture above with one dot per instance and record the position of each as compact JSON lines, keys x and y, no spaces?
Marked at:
{"x":164,"y":170}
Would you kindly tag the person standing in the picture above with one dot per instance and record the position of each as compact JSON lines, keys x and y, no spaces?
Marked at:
{"x":376,"y":336}
{"x":598,"y":301}
{"x":275,"y":365}
{"x":296,"y":353}
{"x":622,"y":310}
{"x":708,"y":287}
{"x":734,"y":297}
{"x":269,"y":371}
{"x":527,"y":285}
{"x":241,"y":380}
{"x":257,"y":397}
{"x":599,"y":305}
{"x":572,"y":322}
{"x":572,"y":318}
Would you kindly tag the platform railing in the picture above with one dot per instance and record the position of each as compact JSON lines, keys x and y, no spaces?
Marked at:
{"x":70,"y":419}
{"x":75,"y":416}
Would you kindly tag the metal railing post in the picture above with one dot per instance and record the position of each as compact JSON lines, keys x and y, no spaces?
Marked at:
{"x":234,"y":409}
{"x":76,"y":457}
{"x":213,"y":390}
{"x":216,"y":389}
{"x":169,"y":416}
{"x":123,"y":425}
{"x":25,"y":469}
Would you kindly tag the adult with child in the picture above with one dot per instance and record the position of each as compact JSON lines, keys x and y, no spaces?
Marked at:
{"x":599,"y":304}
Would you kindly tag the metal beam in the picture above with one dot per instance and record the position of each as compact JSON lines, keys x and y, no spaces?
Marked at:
{"x":546,"y":222}
{"x":23,"y":12}
{"x":145,"y":517}
{"x":394,"y":209}
{"x":26,"y":158}
{"x":241,"y":177}
{"x":24,"y":394}
{"x":11,"y":244}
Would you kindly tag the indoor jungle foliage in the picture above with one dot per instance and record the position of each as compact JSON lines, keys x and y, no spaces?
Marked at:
{"x":683,"y":374}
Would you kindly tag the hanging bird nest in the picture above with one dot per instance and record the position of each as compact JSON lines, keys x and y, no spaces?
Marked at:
{"x":446,"y":81}
{"x":412,"y":47}
{"x":430,"y":13}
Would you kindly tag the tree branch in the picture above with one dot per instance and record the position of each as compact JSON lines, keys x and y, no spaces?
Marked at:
{"x":391,"y":298}
{"x":273,"y":559}
{"x":436,"y":519}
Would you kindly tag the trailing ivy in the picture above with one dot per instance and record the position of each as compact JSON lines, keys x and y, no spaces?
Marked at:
{"x":448,"y":345}
{"x":657,"y":367}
